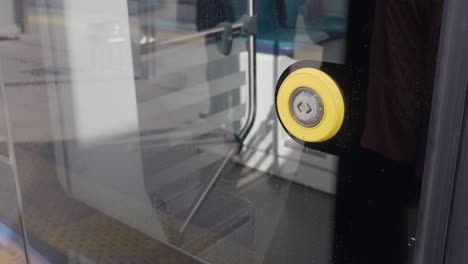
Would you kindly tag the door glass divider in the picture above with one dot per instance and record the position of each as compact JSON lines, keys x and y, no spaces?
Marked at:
{"x":10,"y":160}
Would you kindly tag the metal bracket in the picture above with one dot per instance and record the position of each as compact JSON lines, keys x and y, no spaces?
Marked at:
{"x":224,"y":39}
{"x":249,"y":24}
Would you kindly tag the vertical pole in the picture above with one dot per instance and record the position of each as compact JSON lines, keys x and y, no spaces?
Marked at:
{"x":14,"y":167}
{"x":252,"y":75}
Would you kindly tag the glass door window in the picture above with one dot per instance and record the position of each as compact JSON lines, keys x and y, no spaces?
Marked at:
{"x":230,"y":131}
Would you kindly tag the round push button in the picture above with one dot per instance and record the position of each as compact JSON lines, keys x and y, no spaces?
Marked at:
{"x":310,"y":105}
{"x":306,"y":107}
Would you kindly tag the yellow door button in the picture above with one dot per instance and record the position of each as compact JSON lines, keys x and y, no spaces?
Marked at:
{"x":306,"y":107}
{"x":310,"y":105}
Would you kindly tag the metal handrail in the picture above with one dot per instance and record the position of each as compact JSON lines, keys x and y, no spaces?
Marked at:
{"x":158,"y":45}
{"x":205,"y":33}
{"x":252,"y":77}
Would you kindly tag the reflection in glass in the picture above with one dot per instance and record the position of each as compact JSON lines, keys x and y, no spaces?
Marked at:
{"x":124,"y":111}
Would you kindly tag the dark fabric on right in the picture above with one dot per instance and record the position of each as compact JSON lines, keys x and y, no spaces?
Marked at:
{"x":402,"y":65}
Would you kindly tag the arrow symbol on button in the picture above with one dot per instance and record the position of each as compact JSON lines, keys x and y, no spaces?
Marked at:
{"x":299,"y":107}
{"x":306,"y":108}
{"x":310,"y":109}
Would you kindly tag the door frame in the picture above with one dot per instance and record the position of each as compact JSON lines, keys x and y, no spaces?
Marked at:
{"x":444,"y":141}
{"x":457,"y":233}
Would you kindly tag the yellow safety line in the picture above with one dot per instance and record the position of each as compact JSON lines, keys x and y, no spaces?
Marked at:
{"x":46,"y":20}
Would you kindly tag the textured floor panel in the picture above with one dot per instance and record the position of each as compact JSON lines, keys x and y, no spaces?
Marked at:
{"x":77,"y":231}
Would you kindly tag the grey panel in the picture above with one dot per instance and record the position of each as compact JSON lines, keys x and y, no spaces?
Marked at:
{"x":457,"y":237}
{"x":441,"y":163}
